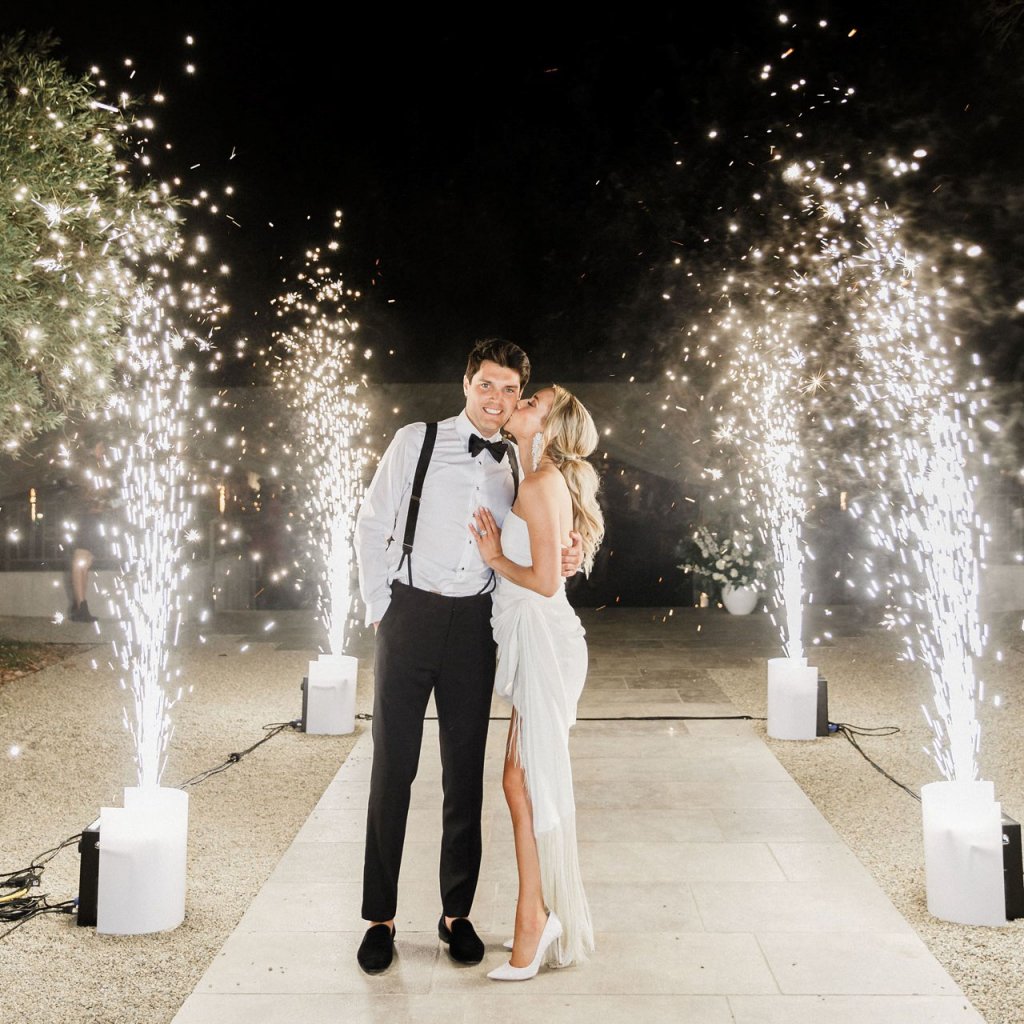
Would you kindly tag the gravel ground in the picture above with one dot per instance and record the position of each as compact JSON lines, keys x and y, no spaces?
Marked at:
{"x":75,"y":758}
{"x":870,"y":686}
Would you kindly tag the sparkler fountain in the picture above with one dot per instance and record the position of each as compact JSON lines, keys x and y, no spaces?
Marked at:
{"x":316,"y":374}
{"x":763,"y":421}
{"x":880,"y":315}
{"x":895,"y":306}
{"x":143,"y":845}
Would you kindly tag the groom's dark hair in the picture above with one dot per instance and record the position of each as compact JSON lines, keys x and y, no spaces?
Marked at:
{"x":504,"y":353}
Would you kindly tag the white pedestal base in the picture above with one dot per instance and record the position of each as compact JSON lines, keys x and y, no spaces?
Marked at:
{"x":963,"y":852}
{"x":792,"y":699}
{"x":143,"y":852}
{"x":331,"y":695}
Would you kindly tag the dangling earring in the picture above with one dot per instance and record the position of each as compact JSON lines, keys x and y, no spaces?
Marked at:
{"x":537,"y":449}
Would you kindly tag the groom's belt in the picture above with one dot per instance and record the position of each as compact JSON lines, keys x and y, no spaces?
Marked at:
{"x":397,"y":586}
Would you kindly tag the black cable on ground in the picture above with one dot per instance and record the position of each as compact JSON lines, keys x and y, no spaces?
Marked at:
{"x":851,"y":732}
{"x":271,"y":730}
{"x":28,"y":877}
{"x":673,"y":718}
{"x":19,"y":904}
{"x":365,"y":716}
{"x":35,"y":906}
{"x":844,"y":729}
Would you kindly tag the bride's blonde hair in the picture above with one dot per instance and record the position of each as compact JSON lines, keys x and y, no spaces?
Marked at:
{"x":569,"y":437}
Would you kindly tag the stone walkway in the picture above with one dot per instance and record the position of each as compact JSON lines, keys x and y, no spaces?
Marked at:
{"x":718,"y":891}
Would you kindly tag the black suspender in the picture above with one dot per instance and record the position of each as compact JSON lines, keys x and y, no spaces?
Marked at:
{"x":417,"y":493}
{"x":514,"y":463}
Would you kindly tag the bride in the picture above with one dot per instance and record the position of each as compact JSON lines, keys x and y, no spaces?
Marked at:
{"x":542,"y":665}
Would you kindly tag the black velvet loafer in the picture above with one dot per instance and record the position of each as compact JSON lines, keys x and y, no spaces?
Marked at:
{"x":377,"y":949}
{"x":464,"y":945}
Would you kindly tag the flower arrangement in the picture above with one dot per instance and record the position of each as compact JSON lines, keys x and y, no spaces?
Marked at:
{"x":733,"y":561}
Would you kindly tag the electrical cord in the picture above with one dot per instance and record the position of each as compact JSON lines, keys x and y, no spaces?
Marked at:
{"x":35,"y":906}
{"x":851,"y":732}
{"x":844,"y":729}
{"x":28,"y":877}
{"x":271,"y":730}
{"x":365,"y":716}
{"x":19,"y":905}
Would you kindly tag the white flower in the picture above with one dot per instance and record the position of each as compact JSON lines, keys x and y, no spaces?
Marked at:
{"x":733,"y":572}
{"x":720,"y":564}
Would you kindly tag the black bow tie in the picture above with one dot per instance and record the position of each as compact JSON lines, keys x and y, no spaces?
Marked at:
{"x":478,"y":444}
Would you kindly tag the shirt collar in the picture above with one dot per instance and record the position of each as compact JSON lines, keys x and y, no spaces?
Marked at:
{"x":464,"y":427}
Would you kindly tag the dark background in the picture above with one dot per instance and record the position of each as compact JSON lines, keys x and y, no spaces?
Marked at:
{"x":535,"y":174}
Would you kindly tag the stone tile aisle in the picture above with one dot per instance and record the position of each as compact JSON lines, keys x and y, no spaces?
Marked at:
{"x":718,"y":891}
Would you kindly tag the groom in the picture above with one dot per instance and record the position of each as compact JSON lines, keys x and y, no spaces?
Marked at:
{"x":427,"y":593}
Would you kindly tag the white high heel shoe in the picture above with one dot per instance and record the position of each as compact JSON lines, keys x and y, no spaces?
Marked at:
{"x":552,"y":933}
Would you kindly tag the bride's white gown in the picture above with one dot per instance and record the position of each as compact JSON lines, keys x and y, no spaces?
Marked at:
{"x":542,"y":665}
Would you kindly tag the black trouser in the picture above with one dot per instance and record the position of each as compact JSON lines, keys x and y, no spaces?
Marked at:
{"x":428,"y":642}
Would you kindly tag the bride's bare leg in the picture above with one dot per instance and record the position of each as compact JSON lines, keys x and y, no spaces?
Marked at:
{"x":531,"y":914}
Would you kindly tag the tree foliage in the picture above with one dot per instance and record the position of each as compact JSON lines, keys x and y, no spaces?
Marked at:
{"x":66,"y":201}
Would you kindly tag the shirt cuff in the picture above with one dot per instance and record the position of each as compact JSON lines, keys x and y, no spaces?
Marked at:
{"x":375,"y":612}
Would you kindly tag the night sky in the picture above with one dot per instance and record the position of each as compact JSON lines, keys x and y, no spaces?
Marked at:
{"x":535,"y":177}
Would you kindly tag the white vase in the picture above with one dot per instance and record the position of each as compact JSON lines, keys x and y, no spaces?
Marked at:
{"x":739,"y":600}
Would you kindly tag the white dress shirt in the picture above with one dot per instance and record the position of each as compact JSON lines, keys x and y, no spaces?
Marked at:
{"x":445,"y":558}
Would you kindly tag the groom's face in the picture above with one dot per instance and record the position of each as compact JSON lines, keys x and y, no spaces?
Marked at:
{"x":491,"y":396}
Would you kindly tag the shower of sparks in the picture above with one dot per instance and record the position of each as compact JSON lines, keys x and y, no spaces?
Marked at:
{"x":316,"y":338}
{"x":146,"y":421}
{"x":893,"y":302}
{"x":841,"y":310}
{"x":151,"y":472}
{"x":151,"y":410}
{"x":763,"y":420}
